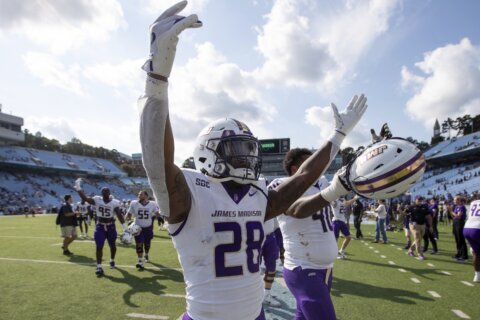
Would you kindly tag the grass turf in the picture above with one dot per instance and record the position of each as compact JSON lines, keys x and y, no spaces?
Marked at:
{"x":38,"y":282}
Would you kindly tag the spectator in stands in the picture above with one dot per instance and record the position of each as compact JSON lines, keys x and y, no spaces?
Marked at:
{"x":381,"y":213}
{"x":459,"y":215}
{"x":419,"y":215}
{"x":68,"y":224}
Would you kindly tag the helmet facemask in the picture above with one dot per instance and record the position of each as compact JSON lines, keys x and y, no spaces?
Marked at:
{"x":237,"y":158}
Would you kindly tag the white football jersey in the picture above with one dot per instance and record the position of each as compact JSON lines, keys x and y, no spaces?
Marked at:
{"x":105,"y":210}
{"x":339,"y":210}
{"x":310,"y":242}
{"x":219,"y":247}
{"x":143,"y":213}
{"x":83,"y":208}
{"x":473,"y":219}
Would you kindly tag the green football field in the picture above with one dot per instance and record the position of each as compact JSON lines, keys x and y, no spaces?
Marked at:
{"x":376,"y":281}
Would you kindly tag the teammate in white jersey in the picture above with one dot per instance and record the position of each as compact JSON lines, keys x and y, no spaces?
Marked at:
{"x":106,"y":208}
{"x":310,"y":248}
{"x":216,"y":212}
{"x":340,"y":223}
{"x":144,"y":212}
{"x":83,"y":215}
{"x":471,"y":231}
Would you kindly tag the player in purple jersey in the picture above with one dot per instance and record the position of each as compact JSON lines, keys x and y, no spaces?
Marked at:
{"x":216,"y":212}
{"x":106,"y":208}
{"x":459,"y":215}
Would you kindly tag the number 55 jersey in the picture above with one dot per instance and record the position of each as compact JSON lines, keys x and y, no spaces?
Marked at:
{"x":310,"y":242}
{"x":219,"y":246}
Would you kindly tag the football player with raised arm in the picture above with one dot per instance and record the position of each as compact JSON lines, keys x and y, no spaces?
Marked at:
{"x":144,"y":212}
{"x":310,"y":247}
{"x":216,"y":213}
{"x":84,"y":220}
{"x":106,"y":207}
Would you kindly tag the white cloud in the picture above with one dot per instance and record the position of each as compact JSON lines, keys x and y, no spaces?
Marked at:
{"x":61,"y":25}
{"x":307,"y":44}
{"x":60,"y":128}
{"x":47,"y":68}
{"x":448,"y":84}
{"x":126,"y":74}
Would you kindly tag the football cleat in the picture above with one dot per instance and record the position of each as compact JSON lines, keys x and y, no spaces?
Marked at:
{"x":146,"y":258}
{"x":476,"y":278}
{"x":140,"y":266}
{"x":270,"y":301}
{"x":99,"y":272}
{"x":112,"y":264}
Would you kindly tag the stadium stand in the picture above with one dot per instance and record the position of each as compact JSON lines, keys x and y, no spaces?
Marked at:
{"x":453,"y":167}
{"x":31,"y":177}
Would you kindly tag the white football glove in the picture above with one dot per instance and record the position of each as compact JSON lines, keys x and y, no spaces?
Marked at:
{"x":348,"y":118}
{"x":78,"y":185}
{"x":164,"y":38}
{"x":338,"y":186}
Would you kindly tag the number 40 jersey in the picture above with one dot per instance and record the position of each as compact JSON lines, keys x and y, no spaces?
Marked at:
{"x":219,"y":247}
{"x":309,"y":243}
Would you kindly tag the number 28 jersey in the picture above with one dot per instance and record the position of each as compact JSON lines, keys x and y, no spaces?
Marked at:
{"x":310,"y":242}
{"x":219,"y":247}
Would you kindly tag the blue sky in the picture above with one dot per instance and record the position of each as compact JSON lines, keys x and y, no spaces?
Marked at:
{"x":71,"y":68}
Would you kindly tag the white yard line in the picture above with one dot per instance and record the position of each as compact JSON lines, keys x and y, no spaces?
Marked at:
{"x":383,"y":257}
{"x":376,"y":251}
{"x":431,"y":265}
{"x":460,"y":314}
{"x":146,"y":316}
{"x":446,"y":273}
{"x":434,"y":294}
{"x":391,"y":262}
{"x":402,"y":270}
{"x":467,"y":283}
{"x":79,"y":263}
{"x":415,"y":280}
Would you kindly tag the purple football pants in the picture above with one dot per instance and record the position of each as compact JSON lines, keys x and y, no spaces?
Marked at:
{"x":145,"y":236}
{"x":105,"y":232}
{"x":270,"y":253}
{"x":473,"y":237}
{"x":311,"y":289}
{"x":340,"y":226}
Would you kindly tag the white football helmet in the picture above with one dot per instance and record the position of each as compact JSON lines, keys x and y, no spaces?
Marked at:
{"x":227,"y":150}
{"x":134,"y":229}
{"x":386,"y":169}
{"x":126,"y":238}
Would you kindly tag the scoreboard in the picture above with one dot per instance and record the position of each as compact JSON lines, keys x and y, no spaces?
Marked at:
{"x":275,"y":146}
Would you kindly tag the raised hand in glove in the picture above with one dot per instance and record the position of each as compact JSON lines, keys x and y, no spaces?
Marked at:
{"x":78,"y":185}
{"x":164,"y":38}
{"x":385,"y":133}
{"x":348,"y":118}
